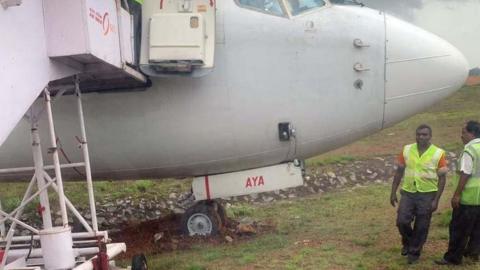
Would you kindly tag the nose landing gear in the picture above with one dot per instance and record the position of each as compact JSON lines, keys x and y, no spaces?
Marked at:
{"x":204,"y":218}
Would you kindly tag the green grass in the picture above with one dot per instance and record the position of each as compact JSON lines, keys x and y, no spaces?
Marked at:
{"x":341,"y":230}
{"x":11,"y":193}
{"x":328,"y":160}
{"x":240,"y":210}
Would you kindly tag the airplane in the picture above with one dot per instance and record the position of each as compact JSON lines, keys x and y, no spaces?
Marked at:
{"x":229,"y":92}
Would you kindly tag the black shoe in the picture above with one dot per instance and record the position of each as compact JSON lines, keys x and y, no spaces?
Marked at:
{"x":442,"y":261}
{"x":404,"y":251}
{"x":411,"y":259}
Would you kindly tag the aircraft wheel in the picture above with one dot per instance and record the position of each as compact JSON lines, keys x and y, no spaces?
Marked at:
{"x":139,"y":262}
{"x":201,"y":219}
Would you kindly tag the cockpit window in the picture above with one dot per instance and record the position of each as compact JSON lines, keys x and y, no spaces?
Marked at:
{"x":267,"y":6}
{"x":299,"y":6}
{"x":347,"y":2}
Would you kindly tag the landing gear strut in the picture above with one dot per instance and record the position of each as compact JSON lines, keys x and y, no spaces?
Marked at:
{"x":204,"y":218}
{"x":207,"y":216}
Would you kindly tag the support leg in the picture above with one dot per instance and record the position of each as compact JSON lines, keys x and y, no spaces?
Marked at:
{"x":56,"y":159}
{"x":38,"y":161}
{"x":86,"y":157}
{"x":70,"y":206}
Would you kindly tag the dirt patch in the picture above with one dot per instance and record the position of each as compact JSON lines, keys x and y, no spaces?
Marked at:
{"x":164,"y":235}
{"x":473,"y":80}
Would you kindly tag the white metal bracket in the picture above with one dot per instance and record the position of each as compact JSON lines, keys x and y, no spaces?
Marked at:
{"x":358,"y":43}
{"x":10,"y":3}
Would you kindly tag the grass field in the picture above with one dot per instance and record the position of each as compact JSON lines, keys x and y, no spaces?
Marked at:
{"x":341,"y":230}
{"x":11,"y":193}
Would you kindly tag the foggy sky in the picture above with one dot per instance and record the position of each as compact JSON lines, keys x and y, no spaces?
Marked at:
{"x":457,"y":21}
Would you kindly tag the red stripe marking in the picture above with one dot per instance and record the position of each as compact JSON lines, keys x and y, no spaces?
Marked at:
{"x":207,"y":187}
{"x":161,"y":4}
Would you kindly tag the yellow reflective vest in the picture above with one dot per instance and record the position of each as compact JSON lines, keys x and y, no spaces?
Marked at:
{"x":471,"y":193}
{"x":421,"y":171}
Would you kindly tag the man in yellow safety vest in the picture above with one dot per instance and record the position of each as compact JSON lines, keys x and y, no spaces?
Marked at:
{"x":465,"y":224}
{"x":423,"y":168}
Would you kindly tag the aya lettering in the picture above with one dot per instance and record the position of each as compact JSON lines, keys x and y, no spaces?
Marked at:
{"x":254,"y":181}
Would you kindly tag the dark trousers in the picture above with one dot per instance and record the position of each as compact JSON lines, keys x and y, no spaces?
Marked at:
{"x":413,"y":220}
{"x":464,"y":234}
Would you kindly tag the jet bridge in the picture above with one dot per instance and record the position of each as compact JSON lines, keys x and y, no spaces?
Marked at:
{"x":57,"y":47}
{"x":95,"y":38}
{"x":47,"y":42}
{"x":50,"y":48}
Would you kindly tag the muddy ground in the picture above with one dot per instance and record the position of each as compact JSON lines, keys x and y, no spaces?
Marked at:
{"x":164,"y":234}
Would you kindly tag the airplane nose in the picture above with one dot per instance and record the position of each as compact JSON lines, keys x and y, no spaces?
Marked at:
{"x":420,"y":69}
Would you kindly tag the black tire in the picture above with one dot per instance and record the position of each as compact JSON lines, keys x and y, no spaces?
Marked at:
{"x":139,"y":262}
{"x":205,"y":211}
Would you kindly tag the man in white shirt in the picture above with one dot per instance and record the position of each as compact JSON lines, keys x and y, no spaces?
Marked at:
{"x":465,"y":225}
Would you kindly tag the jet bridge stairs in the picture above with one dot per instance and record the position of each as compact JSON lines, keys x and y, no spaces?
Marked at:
{"x":60,"y":51}
{"x":71,"y":48}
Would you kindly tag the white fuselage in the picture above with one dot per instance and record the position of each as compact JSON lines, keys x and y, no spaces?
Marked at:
{"x":268,"y":70}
